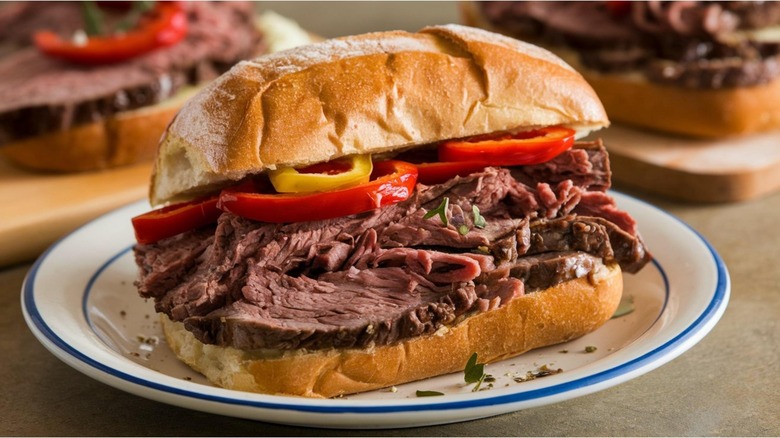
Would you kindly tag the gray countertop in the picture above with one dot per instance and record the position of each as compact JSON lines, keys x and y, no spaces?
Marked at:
{"x":725,"y":385}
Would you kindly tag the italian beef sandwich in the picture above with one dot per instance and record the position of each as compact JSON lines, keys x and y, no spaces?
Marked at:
{"x":375,"y":209}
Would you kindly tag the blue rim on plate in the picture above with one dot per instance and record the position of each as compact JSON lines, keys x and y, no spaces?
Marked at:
{"x":713,"y":309}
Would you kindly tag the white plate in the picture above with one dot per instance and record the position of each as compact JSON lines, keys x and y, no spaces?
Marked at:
{"x":80,"y":302}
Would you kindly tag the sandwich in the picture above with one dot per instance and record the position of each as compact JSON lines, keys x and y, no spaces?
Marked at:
{"x":695,"y":69}
{"x":87,"y":87}
{"x":376,"y":209}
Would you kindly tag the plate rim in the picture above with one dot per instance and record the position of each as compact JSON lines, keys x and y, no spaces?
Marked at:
{"x":652,"y":359}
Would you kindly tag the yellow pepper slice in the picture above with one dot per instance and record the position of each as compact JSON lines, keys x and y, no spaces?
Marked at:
{"x":343,"y":172}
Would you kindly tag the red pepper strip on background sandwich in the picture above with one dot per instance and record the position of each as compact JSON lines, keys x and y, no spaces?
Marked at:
{"x":161,"y":25}
{"x":375,"y":209}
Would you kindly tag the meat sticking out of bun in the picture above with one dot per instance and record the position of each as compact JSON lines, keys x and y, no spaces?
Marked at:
{"x":375,"y":209}
{"x":701,"y":69}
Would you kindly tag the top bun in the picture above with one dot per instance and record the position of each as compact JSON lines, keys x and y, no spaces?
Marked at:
{"x":369,"y":93}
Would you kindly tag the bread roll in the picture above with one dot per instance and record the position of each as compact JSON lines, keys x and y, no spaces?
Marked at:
{"x":693,"y":112}
{"x":557,"y":314}
{"x":128,"y":137}
{"x":631,"y":99}
{"x":371,"y":93}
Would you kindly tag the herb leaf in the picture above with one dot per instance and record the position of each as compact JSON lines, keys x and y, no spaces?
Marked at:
{"x":441,"y":211}
{"x":93,"y":18}
{"x":479,"y":220}
{"x":428,"y":393}
{"x":463,"y":229}
{"x":479,"y":383}
{"x":131,"y":20}
{"x":474,"y":371}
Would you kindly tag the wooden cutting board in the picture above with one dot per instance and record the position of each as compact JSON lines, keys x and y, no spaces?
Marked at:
{"x":39,"y":208}
{"x":727,"y":170}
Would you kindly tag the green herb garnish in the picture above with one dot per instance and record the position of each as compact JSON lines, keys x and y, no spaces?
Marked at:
{"x":590,"y":349}
{"x":428,"y":393}
{"x":463,"y":229}
{"x":93,"y":18}
{"x":474,"y":372}
{"x":479,"y":220}
{"x":441,"y":211}
{"x":132,"y":19}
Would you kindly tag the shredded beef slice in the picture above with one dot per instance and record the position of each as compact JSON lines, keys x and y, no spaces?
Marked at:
{"x":283,"y":312}
{"x":678,"y":42}
{"x":389,"y":274}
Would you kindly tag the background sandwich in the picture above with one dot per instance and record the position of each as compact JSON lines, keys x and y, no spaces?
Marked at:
{"x":83,"y":92}
{"x":702,"y":69}
{"x":373,"y":210}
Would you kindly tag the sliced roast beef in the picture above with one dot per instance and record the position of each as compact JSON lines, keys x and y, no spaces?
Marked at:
{"x":395,"y":272}
{"x":164,"y":266}
{"x":593,"y":235}
{"x":600,"y":204}
{"x":344,"y":309}
{"x":541,"y":271}
{"x":587,"y":166}
{"x":39,"y":94}
{"x":689,"y":44}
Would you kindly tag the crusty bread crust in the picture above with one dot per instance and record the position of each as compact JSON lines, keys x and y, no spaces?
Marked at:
{"x":558,"y":314}
{"x":632,"y":100}
{"x":707,"y":113}
{"x":369,"y":93}
{"x":128,"y":137}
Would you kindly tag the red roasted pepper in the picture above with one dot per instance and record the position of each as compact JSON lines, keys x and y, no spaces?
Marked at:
{"x":175,"y":219}
{"x":529,"y":147}
{"x":440,"y":172}
{"x":164,"y":25}
{"x":391,"y":181}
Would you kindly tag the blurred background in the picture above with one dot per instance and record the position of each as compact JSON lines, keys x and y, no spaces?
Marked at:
{"x":331,"y":19}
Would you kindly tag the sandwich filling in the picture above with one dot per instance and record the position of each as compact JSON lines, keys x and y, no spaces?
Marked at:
{"x":468,"y":245}
{"x":707,"y":45}
{"x":40,"y":94}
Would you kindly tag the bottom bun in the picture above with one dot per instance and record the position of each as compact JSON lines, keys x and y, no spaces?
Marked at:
{"x":128,"y":137}
{"x":558,"y":314}
{"x":690,"y":112}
